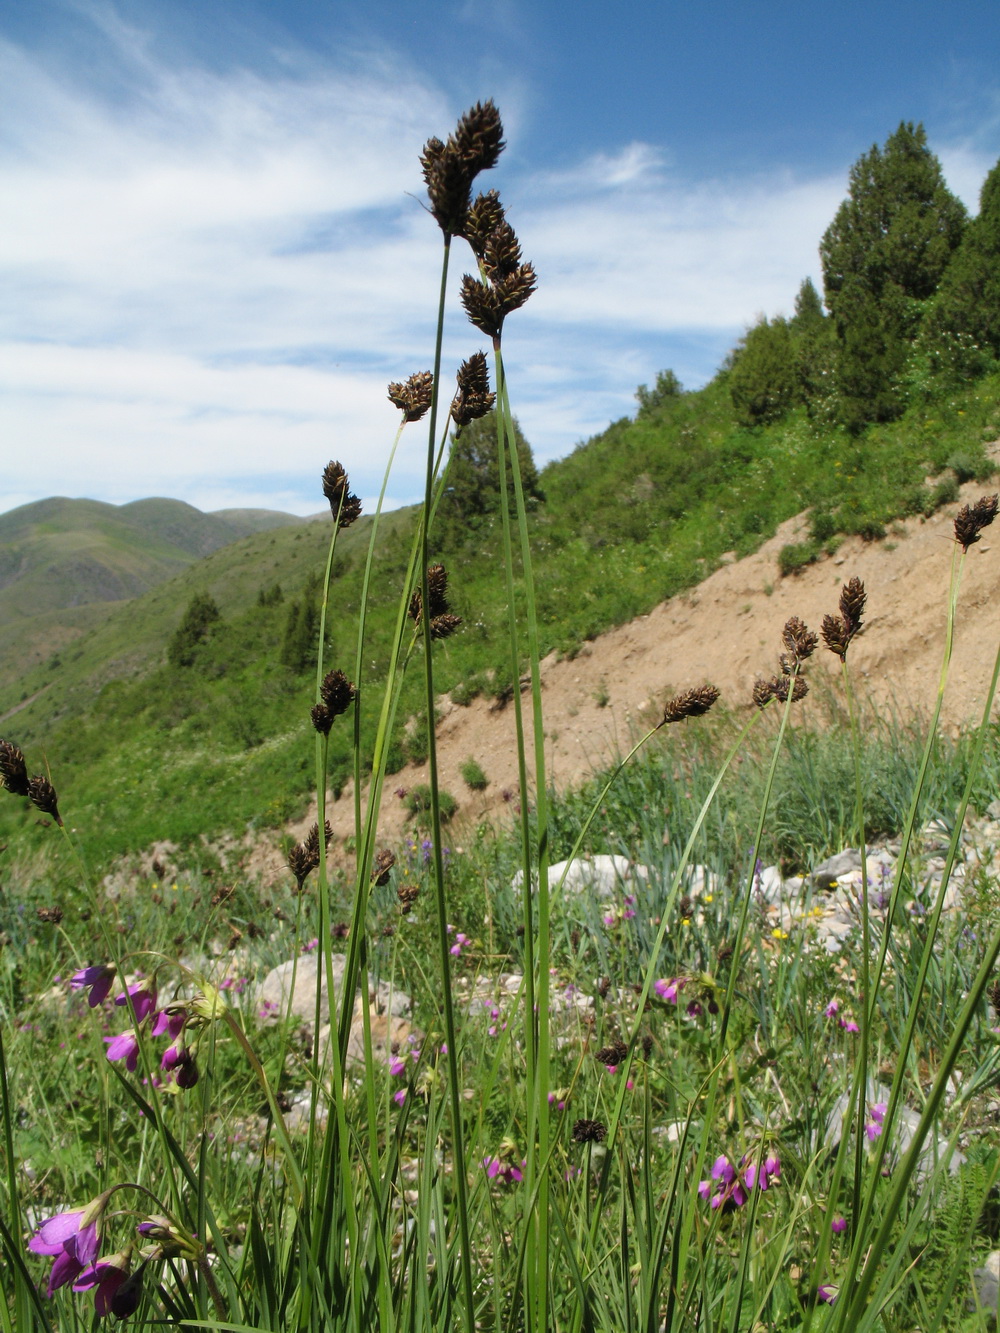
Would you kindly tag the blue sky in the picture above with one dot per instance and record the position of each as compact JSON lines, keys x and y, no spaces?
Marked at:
{"x":214,"y":256}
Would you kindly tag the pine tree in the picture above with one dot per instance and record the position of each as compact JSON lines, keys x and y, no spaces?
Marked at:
{"x":962,"y":330}
{"x":883,"y":257}
{"x":201,"y":614}
{"x":763,"y":382}
{"x":815,"y":347}
{"x":472,"y":490}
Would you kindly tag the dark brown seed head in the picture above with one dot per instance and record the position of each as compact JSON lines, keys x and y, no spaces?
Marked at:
{"x":234,"y":939}
{"x":312,"y":840}
{"x":613,"y":1054}
{"x":603,"y":986}
{"x":971,"y":519}
{"x":763,"y":691}
{"x":50,"y":915}
{"x":13,"y":772}
{"x":502,"y":253}
{"x":473,"y":399}
{"x":437,"y":594}
{"x":450,"y":168}
{"x":692,"y":703}
{"x":647,"y":1045}
{"x":725,"y":952}
{"x":407,"y":895}
{"x":300,"y":864}
{"x":444,"y":626}
{"x":836,"y":635}
{"x":852,"y":604}
{"x":223,"y":894}
{"x":993,"y":995}
{"x":413,"y":398}
{"x":589,"y":1131}
{"x":785,"y":685}
{"x":485,"y":215}
{"x":322,"y":718}
{"x":42,"y":794}
{"x":686,"y":906}
{"x":384,"y":861}
{"x":800,"y":641}
{"x":337,"y":693}
{"x":478,"y":138}
{"x":345,"y":507}
{"x":488,"y":304}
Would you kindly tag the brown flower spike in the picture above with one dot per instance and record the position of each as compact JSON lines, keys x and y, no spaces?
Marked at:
{"x":589,"y":1131}
{"x":473,"y":399}
{"x":838,"y":631}
{"x":692,"y":703}
{"x":345,"y":507}
{"x":13,"y":770}
{"x":413,"y":398}
{"x":971,"y":519}
{"x":42,"y":794}
{"x":450,"y":168}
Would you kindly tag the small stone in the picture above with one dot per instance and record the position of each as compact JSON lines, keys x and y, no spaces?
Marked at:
{"x":826,"y":874}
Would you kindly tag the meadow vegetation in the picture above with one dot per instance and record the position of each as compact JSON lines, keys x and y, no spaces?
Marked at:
{"x":649,"y":1112}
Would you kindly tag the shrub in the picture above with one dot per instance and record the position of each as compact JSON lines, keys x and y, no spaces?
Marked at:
{"x":418,"y":802}
{"x":202,"y":613}
{"x":473,"y":776}
{"x":795,"y":556}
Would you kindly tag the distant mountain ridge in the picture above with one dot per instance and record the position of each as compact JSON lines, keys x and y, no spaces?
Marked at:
{"x":64,"y":563}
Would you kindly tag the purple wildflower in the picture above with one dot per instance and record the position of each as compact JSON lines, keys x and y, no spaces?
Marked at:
{"x":508,"y":1172}
{"x":667,"y":990}
{"x":179,"y":1061}
{"x":460,"y":942}
{"x":124,"y":1047}
{"x":848,"y":1024}
{"x":72,"y":1239}
{"x":873,"y":1128}
{"x":838,"y":1225}
{"x":143,"y":995}
{"x":99,"y":979}
{"x":770,"y":1170}
{"x":728,"y":1190}
{"x":827,"y":1293}
{"x":831,"y":1009}
{"x":106,"y":1277}
{"x":171,"y":1021}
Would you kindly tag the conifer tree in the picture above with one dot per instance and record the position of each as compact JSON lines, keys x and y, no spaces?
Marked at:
{"x":763,"y":382}
{"x":883,"y":257}
{"x":201,"y":614}
{"x":963,"y":328}
{"x":472,"y":490}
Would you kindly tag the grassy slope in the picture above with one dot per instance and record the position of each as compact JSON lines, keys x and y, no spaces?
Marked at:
{"x":139,"y":751}
{"x":61,"y":554}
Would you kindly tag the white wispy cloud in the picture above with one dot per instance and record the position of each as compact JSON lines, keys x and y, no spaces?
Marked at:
{"x":210,"y":280}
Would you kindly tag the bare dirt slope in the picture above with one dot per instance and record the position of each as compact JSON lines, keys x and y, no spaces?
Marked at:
{"x":727,"y":631}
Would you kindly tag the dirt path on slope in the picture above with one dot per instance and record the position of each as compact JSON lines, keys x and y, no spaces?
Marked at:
{"x":727,"y":631}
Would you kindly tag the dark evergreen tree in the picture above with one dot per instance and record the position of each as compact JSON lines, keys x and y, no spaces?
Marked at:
{"x":962,"y":330}
{"x":815,"y":347}
{"x":763,"y":381}
{"x":202,"y":613}
{"x":298,"y":647}
{"x":472,"y":490}
{"x":883,"y":257}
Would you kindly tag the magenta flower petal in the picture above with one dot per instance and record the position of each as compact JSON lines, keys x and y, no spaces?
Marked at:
{"x":65,"y":1268}
{"x":99,"y":978}
{"x":124,"y":1047}
{"x":838,"y":1224}
{"x":143,"y":995}
{"x":171,"y":1024}
{"x":52,"y":1236}
{"x":107,"y":1275}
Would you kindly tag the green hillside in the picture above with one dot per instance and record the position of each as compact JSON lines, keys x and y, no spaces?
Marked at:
{"x":870,"y":405}
{"x":63,"y":562}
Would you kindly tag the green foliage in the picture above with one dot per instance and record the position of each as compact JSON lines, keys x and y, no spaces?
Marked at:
{"x":883,"y":257}
{"x":298,"y":649}
{"x":471,"y":498}
{"x":962,"y":329}
{"x":201,"y":615}
{"x":764,"y":381}
{"x":473,"y":776}
{"x":418,"y":803}
{"x":667,"y":386}
{"x":795,"y":556}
